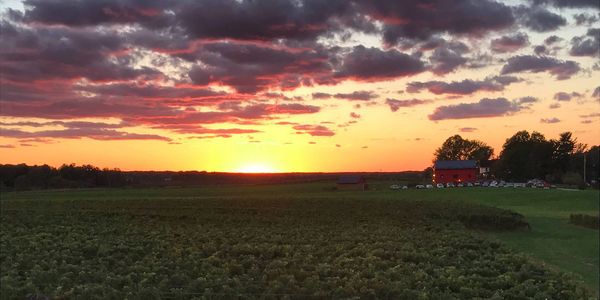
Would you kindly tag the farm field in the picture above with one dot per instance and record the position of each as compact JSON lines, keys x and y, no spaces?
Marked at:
{"x":296,"y":241}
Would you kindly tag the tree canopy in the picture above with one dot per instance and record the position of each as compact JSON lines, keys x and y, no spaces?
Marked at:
{"x":457,"y":148}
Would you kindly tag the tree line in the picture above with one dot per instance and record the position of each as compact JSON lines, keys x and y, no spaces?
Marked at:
{"x":527,"y":156}
{"x":24,"y":177}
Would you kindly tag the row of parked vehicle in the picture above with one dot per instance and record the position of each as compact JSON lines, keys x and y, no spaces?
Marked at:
{"x":493,"y":183}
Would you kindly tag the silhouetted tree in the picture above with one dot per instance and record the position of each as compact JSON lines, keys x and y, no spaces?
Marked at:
{"x":457,"y":148}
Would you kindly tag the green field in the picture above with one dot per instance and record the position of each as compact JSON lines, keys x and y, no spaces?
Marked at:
{"x":294,"y":241}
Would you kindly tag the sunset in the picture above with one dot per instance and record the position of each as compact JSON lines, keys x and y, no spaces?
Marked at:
{"x":296,"y":87}
{"x":299,"y":149}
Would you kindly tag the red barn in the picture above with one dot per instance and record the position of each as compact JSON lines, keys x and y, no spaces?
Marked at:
{"x":455,"y":171}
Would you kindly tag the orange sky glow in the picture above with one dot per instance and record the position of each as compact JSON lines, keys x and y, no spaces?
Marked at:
{"x":300,"y":92}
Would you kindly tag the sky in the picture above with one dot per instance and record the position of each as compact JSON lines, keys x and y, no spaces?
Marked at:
{"x":289,"y":85}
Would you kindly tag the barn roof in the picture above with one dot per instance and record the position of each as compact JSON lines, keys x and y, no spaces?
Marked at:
{"x":349,"y":179}
{"x":455,"y":164}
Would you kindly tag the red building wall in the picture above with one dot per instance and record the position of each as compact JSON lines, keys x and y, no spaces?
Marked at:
{"x":455,"y":176}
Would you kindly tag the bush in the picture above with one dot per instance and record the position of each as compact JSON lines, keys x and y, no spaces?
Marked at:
{"x":585,"y":220}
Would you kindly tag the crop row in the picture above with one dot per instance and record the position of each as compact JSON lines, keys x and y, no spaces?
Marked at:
{"x":264,"y":249}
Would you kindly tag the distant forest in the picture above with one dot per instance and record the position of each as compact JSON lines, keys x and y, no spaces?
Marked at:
{"x":24,"y":177}
{"x":524,"y":156}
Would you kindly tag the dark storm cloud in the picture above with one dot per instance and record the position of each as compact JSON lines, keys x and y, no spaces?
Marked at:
{"x":539,"y":19}
{"x":87,"y":13}
{"x":510,"y":43}
{"x":587,"y":45}
{"x":535,"y":64}
{"x":465,"y":87}
{"x":260,"y":20}
{"x":397,"y":104}
{"x":569,"y":3}
{"x":485,"y":108}
{"x":373,"y":64}
{"x":357,"y":96}
{"x":250,"y":68}
{"x":36,"y":53}
{"x":417,"y":20}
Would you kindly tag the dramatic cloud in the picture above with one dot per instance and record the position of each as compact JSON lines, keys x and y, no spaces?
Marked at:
{"x":415,"y":20}
{"x":554,"y":106}
{"x":588,"y":45}
{"x":321,"y":96}
{"x":485,"y":108}
{"x":564,"y":96}
{"x":527,"y":63}
{"x":372,"y":64}
{"x":397,"y":104}
{"x":313,"y":130}
{"x":528,"y":100}
{"x":250,"y":68}
{"x":448,"y":57}
{"x":77,"y":133}
{"x":539,"y":19}
{"x":357,"y":96}
{"x":87,"y":13}
{"x":465,"y":87}
{"x":215,"y":68}
{"x":585,"y":19}
{"x":552,"y":40}
{"x":550,"y":120}
{"x":569,"y":3}
{"x":510,"y":43}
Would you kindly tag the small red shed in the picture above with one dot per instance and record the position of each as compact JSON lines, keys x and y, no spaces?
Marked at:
{"x":455,"y":171}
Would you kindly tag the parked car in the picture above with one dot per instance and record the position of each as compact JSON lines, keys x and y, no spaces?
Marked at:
{"x":460,"y":184}
{"x":420,"y":186}
{"x":485,"y":184}
{"x":469,"y":184}
{"x":404,"y":187}
{"x":509,"y":185}
{"x":493,"y":184}
{"x":394,"y":187}
{"x":449,"y":184}
{"x":429,"y":186}
{"x":477,"y":183}
{"x":439,"y":185}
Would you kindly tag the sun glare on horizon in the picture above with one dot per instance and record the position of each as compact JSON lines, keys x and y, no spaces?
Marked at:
{"x":256,"y":168}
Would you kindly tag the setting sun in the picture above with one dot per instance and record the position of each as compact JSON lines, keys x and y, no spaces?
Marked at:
{"x":256,"y":168}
